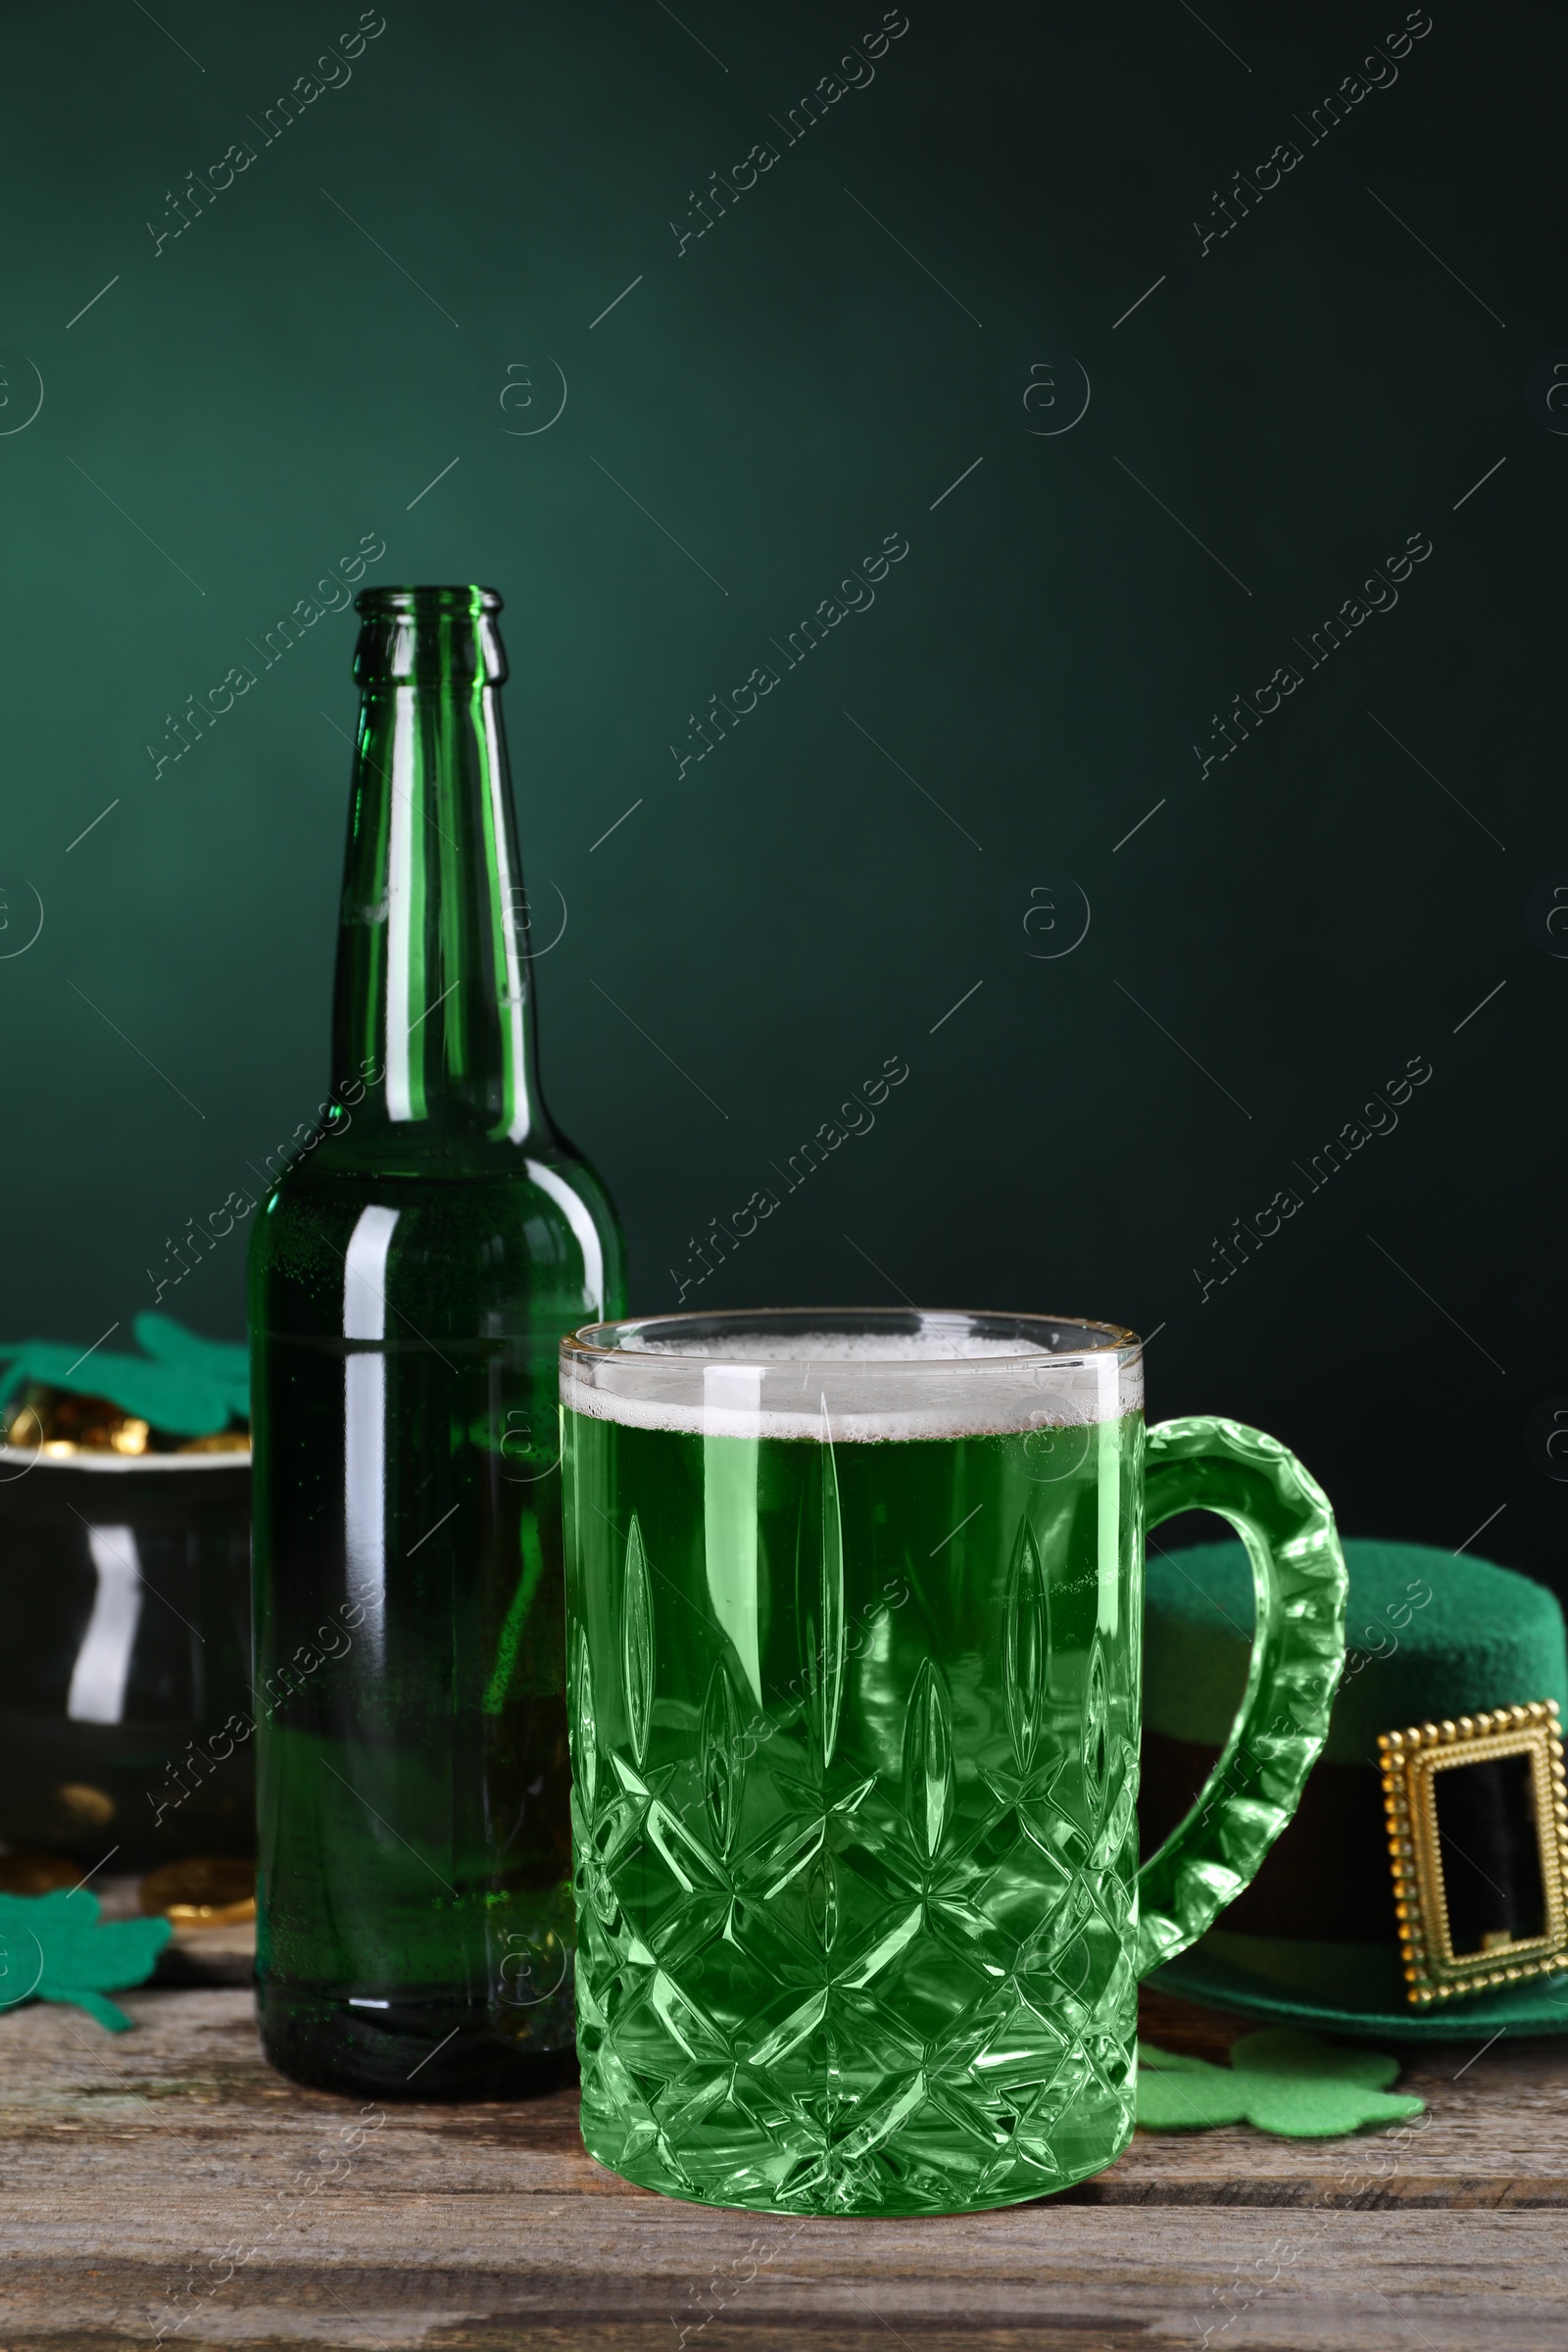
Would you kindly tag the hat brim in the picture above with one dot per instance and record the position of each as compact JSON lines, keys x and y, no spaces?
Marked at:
{"x":1352,"y":1989}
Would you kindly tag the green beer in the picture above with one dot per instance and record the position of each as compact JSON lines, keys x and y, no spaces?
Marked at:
{"x":855,"y":1608}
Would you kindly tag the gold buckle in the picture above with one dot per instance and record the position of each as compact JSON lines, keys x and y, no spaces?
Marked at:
{"x":1411,"y":1762}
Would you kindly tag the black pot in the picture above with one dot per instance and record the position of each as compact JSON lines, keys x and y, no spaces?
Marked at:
{"x":126,"y":1664}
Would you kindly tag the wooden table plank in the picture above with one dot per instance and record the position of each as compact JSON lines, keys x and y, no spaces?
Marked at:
{"x":151,"y":2180}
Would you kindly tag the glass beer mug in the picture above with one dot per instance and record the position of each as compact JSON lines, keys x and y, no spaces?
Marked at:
{"x":855,"y":1609}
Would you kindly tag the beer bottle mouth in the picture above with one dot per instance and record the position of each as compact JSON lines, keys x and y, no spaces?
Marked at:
{"x":377,"y":604}
{"x":435,"y":636}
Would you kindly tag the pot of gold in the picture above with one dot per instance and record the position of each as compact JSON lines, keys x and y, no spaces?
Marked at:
{"x":125,"y":1574}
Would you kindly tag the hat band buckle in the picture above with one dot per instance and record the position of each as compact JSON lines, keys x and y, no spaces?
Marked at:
{"x":1478,"y":1841}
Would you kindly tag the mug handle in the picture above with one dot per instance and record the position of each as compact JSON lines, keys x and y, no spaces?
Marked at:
{"x":1282,"y":1516}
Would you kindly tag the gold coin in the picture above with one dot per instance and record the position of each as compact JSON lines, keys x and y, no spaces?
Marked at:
{"x":207,"y":1890}
{"x":60,"y":1423}
{"x":84,"y":1808}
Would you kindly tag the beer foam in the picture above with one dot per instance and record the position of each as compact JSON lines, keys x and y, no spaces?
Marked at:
{"x":853,"y":1388}
{"x":938,"y":1345}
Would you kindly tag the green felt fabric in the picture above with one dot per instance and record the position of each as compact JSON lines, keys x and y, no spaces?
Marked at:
{"x":184,"y":1384}
{"x":54,"y":1949}
{"x":1354,"y":1990}
{"x":1283,"y":2081}
{"x":1455,"y":1635}
{"x":1370,"y":1975}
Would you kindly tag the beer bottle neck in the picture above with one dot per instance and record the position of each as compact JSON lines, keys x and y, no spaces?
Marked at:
{"x":433,"y":1010}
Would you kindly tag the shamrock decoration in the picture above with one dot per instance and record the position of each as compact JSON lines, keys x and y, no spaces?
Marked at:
{"x":52,"y":1948}
{"x":183,"y":1384}
{"x":1282,"y":2080}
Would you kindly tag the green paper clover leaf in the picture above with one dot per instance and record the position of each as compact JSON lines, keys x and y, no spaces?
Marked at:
{"x":184,"y":1384}
{"x":53,"y":1948}
{"x":1282,"y":2080}
{"x":226,"y":1361}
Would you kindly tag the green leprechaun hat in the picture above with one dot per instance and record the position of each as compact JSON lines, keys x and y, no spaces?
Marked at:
{"x":1419,"y":1889}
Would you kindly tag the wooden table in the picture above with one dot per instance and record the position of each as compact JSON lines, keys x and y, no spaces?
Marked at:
{"x":129,"y":2164}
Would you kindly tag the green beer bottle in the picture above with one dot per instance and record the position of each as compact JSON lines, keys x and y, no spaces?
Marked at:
{"x":411,"y":1276}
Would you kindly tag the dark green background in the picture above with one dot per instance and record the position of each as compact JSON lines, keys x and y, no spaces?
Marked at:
{"x":270,"y":388}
